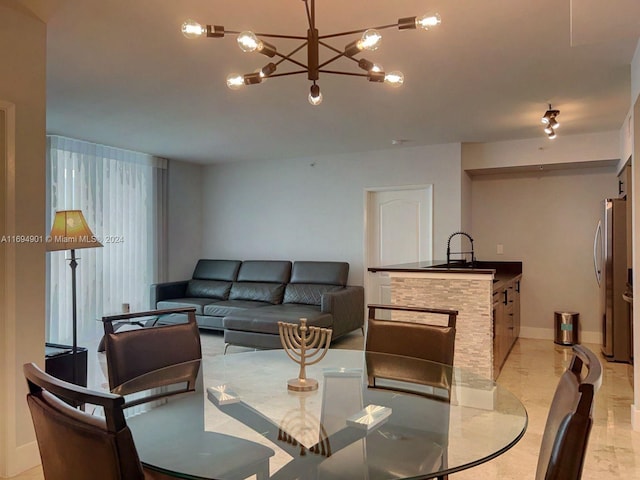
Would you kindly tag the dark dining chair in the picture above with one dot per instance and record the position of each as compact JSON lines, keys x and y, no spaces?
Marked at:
{"x":409,"y":343}
{"x":435,"y":343}
{"x":75,"y":445}
{"x":566,"y":434}
{"x":152,"y":357}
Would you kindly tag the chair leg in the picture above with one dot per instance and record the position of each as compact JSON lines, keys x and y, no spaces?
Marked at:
{"x":362,"y":330}
{"x":226,"y":345}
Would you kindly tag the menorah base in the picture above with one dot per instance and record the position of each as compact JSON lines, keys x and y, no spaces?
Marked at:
{"x":302,"y":384}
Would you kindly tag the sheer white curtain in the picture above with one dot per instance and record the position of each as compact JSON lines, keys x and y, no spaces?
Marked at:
{"x":122,"y":196}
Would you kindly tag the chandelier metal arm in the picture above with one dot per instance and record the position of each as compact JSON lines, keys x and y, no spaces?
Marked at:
{"x":288,"y":56}
{"x":331,"y":60}
{"x":352,"y":74}
{"x":353,"y":32}
{"x":273,"y":35}
{"x":295,"y":72}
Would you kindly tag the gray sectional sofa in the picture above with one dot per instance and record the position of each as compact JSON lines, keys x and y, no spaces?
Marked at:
{"x":246,"y":299}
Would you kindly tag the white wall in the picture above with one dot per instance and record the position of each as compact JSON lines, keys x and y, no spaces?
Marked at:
{"x":313,"y":208}
{"x":22,"y":89}
{"x":541,"y":151}
{"x":547,"y":220}
{"x":184,"y":222}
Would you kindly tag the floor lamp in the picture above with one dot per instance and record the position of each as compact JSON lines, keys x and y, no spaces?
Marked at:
{"x":71,"y":232}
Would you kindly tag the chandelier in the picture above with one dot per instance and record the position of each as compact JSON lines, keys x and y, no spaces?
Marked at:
{"x":370,"y":40}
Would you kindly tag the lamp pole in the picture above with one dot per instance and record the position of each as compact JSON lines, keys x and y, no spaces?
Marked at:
{"x":74,"y":315}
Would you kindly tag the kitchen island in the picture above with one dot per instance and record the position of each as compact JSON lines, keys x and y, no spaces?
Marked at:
{"x":485,"y":294}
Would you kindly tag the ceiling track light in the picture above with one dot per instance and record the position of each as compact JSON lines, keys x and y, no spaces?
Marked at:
{"x":549,"y":119}
{"x":370,"y":39}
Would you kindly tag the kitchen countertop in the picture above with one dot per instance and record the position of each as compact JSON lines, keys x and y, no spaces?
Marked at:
{"x":502,"y":271}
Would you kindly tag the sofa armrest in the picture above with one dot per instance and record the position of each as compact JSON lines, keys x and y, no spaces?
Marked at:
{"x":347,"y":308}
{"x":167,"y":291}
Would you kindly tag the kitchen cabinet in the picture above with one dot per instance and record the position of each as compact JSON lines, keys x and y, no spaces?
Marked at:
{"x":506,"y":321}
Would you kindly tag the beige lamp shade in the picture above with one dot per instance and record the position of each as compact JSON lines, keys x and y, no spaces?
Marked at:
{"x":70,"y":231}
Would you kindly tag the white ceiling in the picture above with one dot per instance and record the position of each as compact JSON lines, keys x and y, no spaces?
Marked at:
{"x":121,"y":73}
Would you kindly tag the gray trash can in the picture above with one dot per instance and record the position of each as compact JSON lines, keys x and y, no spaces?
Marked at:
{"x":566,"y":328}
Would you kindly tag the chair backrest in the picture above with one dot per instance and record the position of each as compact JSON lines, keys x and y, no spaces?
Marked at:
{"x":419,"y":340}
{"x":566,"y":433}
{"x":153,"y":357}
{"x":74,"y":444}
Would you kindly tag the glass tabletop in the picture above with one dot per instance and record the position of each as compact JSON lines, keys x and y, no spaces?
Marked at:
{"x":422,"y":419}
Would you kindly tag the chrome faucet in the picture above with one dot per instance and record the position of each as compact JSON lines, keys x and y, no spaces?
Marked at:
{"x":473,"y":257}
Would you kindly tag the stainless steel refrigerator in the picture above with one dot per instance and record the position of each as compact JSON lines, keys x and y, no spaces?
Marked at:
{"x":610,"y":263}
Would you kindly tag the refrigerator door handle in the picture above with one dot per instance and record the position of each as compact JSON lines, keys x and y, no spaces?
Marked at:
{"x":598,"y":271}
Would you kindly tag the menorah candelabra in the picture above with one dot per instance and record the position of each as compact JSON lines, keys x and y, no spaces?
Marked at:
{"x":305,"y":346}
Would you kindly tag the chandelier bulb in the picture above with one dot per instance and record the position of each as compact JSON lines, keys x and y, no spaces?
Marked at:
{"x":428,"y":21}
{"x":235,"y":81}
{"x":553,"y":123}
{"x":248,"y":42}
{"x":552,"y":135}
{"x":370,"y":40}
{"x":395,"y":79}
{"x":315,"y":95}
{"x":548,"y":129}
{"x":192,"y":29}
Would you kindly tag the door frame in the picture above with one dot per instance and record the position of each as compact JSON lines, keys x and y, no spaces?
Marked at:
{"x":8,"y":368}
{"x":367,"y":199}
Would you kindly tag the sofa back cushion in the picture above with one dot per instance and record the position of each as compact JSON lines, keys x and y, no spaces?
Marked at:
{"x":271,"y":271}
{"x":208,"y":289}
{"x":325,"y":273}
{"x":261,"y":280}
{"x":310,"y":280}
{"x":223,"y":270}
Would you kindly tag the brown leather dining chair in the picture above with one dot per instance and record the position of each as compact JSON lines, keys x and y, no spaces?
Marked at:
{"x":75,"y":445}
{"x":410,"y":343}
{"x":566,"y":434}
{"x":163,"y":361}
{"x":423,"y":341}
{"x":157,"y":356}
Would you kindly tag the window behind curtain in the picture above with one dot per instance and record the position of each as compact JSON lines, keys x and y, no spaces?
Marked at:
{"x":122,"y":196}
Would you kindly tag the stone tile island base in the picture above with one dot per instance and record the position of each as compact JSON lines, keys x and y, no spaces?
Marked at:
{"x":468,"y":293}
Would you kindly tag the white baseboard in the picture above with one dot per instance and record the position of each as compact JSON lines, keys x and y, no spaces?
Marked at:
{"x":549,"y":334}
{"x":24,"y":458}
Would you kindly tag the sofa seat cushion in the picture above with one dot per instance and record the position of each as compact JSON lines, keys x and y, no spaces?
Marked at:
{"x":265,"y":320}
{"x":216,"y":289}
{"x":198,"y":303}
{"x":307,"y":294}
{"x":227,"y":307}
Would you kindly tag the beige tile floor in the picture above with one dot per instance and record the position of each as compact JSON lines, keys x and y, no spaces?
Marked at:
{"x":531,"y":373}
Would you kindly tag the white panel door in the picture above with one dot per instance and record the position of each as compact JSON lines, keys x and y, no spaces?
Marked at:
{"x":399,"y":231}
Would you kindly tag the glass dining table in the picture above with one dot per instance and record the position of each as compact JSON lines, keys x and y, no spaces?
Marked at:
{"x":421,"y":420}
